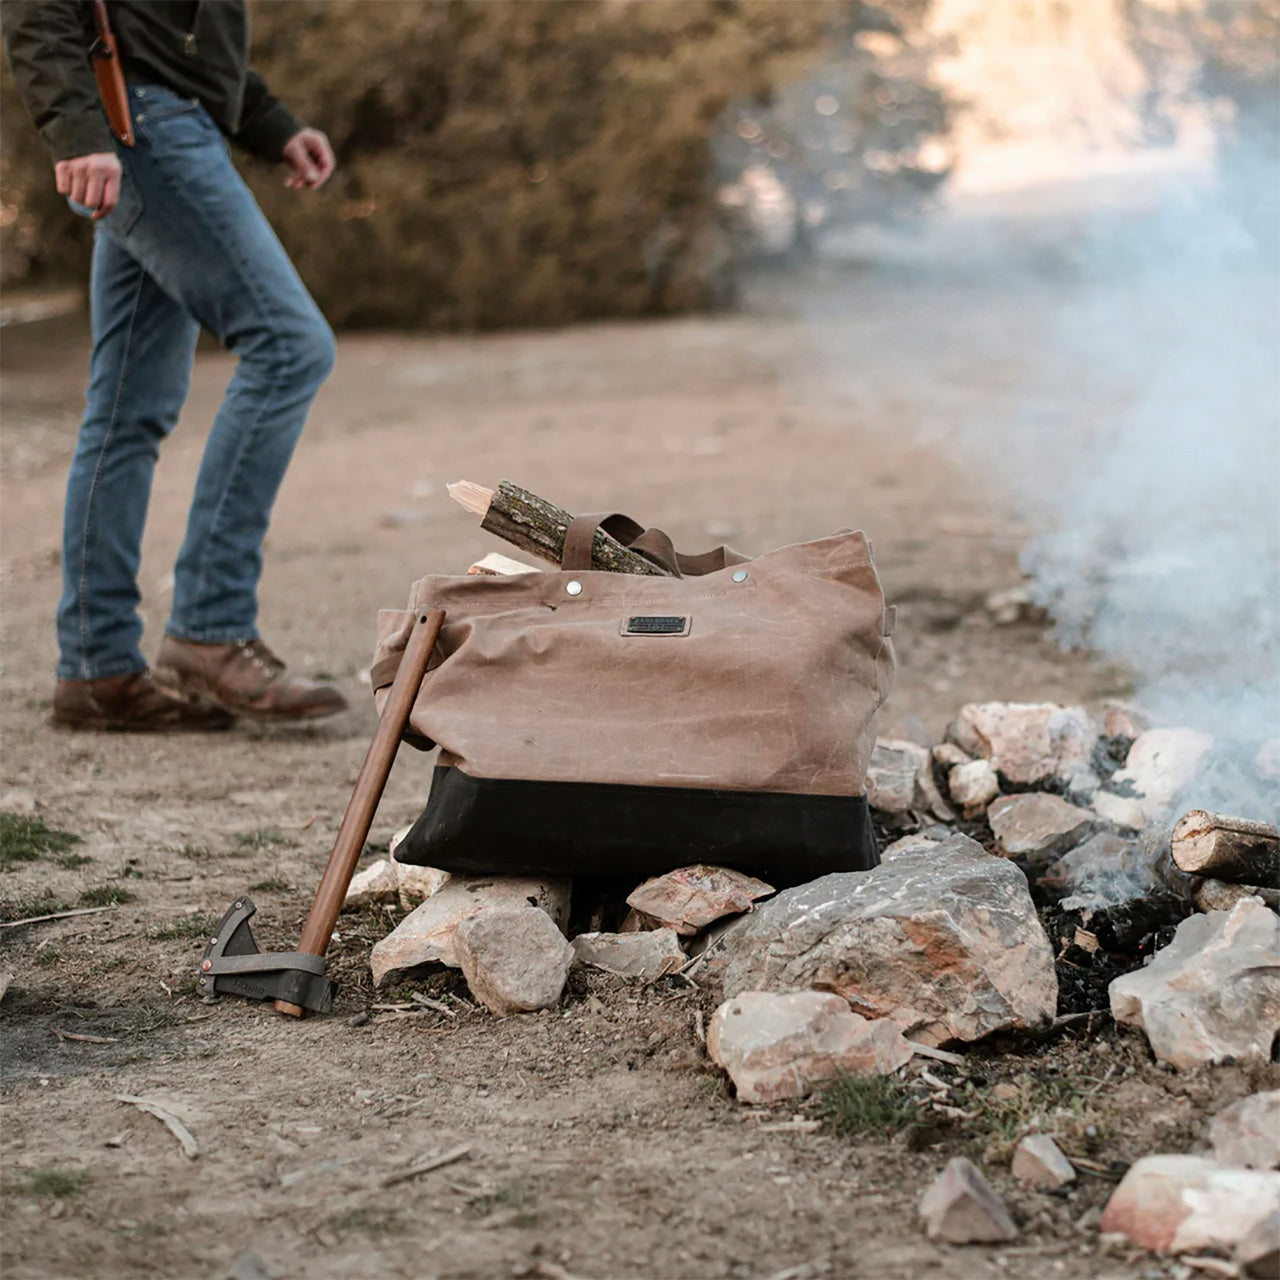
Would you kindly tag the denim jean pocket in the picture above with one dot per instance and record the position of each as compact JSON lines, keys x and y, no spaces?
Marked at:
{"x":128,"y":209}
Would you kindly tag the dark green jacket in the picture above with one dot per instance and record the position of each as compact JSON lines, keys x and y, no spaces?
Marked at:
{"x":199,"y":48}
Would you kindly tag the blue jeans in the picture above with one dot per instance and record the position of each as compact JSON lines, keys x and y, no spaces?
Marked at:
{"x":187,"y":246}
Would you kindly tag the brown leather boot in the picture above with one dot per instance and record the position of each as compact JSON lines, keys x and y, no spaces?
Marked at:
{"x":244,"y":677}
{"x":133,"y":703}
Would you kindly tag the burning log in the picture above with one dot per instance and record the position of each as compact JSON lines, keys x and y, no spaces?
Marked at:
{"x":534,"y":525}
{"x":1226,"y":848}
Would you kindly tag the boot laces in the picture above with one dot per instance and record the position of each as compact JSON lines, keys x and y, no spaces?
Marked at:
{"x":261,"y":656}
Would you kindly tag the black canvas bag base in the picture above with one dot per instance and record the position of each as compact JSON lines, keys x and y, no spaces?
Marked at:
{"x":500,"y":826}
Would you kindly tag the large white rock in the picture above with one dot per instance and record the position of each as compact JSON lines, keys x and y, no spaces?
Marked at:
{"x":960,"y":1207}
{"x":631,"y":955}
{"x":1160,"y":764}
{"x":426,"y":935}
{"x":1181,"y":1204}
{"x":690,"y":898}
{"x":780,"y":1045}
{"x":1213,"y":993}
{"x":1036,"y":825}
{"x":1248,"y":1132}
{"x":942,"y":938}
{"x":1026,"y":742}
{"x":515,"y":959}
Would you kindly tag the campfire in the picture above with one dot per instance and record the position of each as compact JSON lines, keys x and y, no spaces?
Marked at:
{"x":1043,"y":870}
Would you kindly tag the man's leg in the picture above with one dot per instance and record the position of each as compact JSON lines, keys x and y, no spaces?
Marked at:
{"x":143,"y":343}
{"x":204,"y":239}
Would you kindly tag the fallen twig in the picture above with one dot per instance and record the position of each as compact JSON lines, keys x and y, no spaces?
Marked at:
{"x":58,"y":915}
{"x":190,"y":1148}
{"x":792,"y":1126}
{"x":698,"y":1029}
{"x":428,"y":1003}
{"x":74,"y":1035}
{"x":938,"y":1055}
{"x":933,"y":1081}
{"x":1216,"y":1266}
{"x":417,"y":1170}
{"x":1097,"y":1088}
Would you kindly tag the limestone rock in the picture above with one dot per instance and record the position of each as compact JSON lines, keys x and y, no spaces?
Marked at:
{"x":960,"y":1207}
{"x":973,"y":786}
{"x":515,"y":959}
{"x":942,"y":939}
{"x":426,"y":934}
{"x":777,"y":1046}
{"x":692,"y":897}
{"x":1213,"y":993}
{"x":1039,"y":1162}
{"x":631,"y":955}
{"x":948,"y":756}
{"x":1026,"y":742}
{"x":1248,"y":1132}
{"x":414,"y":884}
{"x":1160,"y":764}
{"x":900,"y":780}
{"x":1258,"y":1253}
{"x":1180,"y":1204}
{"x":417,"y":884}
{"x":1037,"y":825}
{"x":376,"y":883}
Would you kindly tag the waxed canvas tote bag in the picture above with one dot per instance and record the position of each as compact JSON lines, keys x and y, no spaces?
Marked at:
{"x":605,"y":723}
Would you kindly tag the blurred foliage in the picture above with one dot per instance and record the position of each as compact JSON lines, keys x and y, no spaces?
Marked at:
{"x":501,"y":163}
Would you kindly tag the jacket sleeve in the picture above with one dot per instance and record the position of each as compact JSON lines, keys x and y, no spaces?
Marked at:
{"x":48,"y":46}
{"x":265,"y":123}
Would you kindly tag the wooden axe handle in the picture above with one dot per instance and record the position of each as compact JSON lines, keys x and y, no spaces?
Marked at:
{"x":368,"y":790}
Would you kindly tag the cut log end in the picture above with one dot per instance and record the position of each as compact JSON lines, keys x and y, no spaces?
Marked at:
{"x":1227,"y":848}
{"x":475,"y":497}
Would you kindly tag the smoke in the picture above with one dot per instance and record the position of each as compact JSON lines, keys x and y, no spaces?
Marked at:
{"x":1129,"y":317}
{"x":1160,"y":541}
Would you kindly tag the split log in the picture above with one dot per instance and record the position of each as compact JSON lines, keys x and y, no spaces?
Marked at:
{"x":536,"y":526}
{"x":1227,"y":848}
{"x":1218,"y":895}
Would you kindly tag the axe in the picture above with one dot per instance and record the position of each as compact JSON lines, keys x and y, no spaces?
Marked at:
{"x":295,"y":980}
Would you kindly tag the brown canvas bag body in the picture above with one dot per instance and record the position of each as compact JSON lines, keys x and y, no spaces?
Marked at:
{"x":608,"y":723}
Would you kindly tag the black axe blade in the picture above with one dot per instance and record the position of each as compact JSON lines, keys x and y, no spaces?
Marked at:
{"x":233,"y":965}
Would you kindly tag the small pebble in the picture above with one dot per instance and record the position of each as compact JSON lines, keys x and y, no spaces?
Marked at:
{"x":358,"y":1019}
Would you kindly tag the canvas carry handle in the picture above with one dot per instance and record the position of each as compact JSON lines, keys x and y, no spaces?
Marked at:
{"x":653,"y":544}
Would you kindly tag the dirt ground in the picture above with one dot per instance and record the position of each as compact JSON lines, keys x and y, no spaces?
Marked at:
{"x":599,"y":1142}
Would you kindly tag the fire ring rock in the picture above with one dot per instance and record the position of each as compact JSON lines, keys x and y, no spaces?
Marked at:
{"x":1213,"y":993}
{"x":942,"y":939}
{"x":515,"y":959}
{"x":777,"y":1046}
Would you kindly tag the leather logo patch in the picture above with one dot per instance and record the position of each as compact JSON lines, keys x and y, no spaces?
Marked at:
{"x":659,"y":625}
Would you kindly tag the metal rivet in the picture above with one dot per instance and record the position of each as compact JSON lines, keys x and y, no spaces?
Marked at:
{"x":574,"y":588}
{"x":739,"y":575}
{"x":142,"y":93}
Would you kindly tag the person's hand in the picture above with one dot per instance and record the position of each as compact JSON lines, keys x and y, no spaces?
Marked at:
{"x":310,"y":156}
{"x":92,"y":181}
